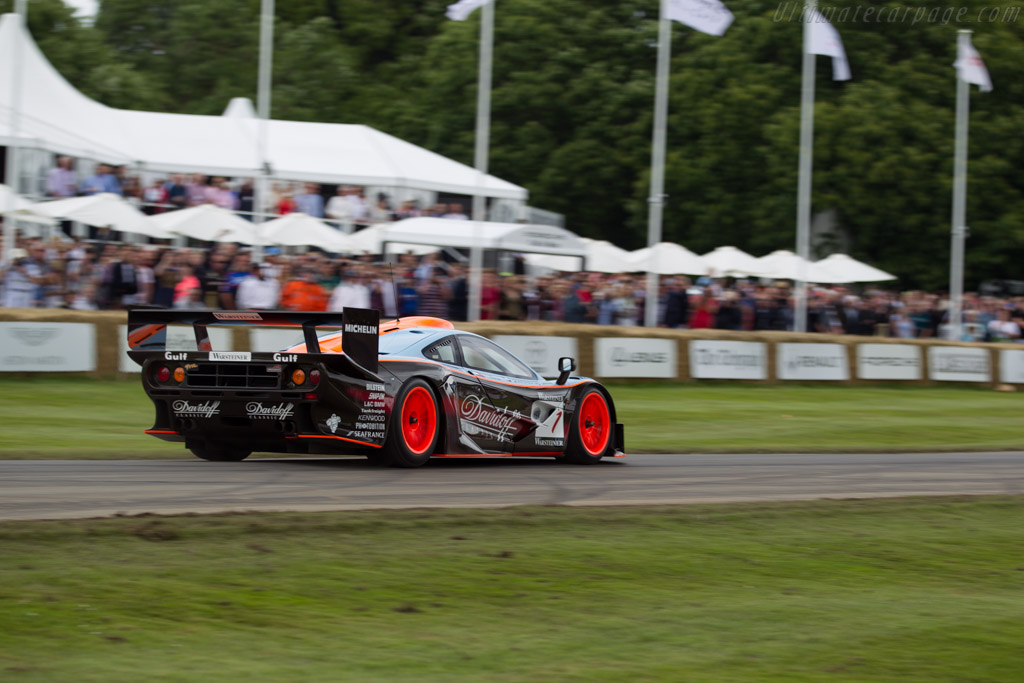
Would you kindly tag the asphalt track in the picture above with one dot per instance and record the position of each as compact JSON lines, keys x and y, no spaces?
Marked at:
{"x":55,"y":489}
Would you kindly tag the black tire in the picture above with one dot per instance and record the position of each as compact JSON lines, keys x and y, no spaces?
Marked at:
{"x":216,"y":453}
{"x":590,"y":435}
{"x":411,"y":440}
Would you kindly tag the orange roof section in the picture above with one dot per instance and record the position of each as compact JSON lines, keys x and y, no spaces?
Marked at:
{"x":332,"y":342}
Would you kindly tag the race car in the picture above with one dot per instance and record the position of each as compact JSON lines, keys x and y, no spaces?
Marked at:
{"x":398,"y":392}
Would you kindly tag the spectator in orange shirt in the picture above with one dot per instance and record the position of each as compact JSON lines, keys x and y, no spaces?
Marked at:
{"x":304,"y":293}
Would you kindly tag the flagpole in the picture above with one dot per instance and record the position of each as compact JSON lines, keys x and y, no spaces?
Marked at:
{"x":483,"y":134}
{"x":959,"y":216}
{"x":656,"y":200}
{"x":12,"y":171}
{"x":803,"y":196}
{"x":263,"y":96}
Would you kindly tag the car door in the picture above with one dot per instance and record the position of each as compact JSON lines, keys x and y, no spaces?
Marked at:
{"x":501,"y":418}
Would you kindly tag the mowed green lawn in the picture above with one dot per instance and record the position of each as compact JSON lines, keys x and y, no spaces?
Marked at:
{"x":83,"y":418}
{"x":910,"y":590}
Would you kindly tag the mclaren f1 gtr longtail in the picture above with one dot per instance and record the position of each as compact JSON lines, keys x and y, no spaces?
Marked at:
{"x":399,"y":392}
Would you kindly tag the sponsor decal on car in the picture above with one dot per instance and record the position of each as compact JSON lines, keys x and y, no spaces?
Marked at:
{"x":360,"y":329}
{"x":231,"y":356}
{"x":370,"y":421}
{"x":236,"y":315}
{"x":279,"y":411}
{"x":477,"y":417}
{"x":170,"y":355}
{"x":286,"y":357}
{"x":187,"y":409}
{"x":550,"y":419}
{"x":333,"y":421}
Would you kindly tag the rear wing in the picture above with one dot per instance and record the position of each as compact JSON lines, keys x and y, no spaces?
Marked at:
{"x":147,"y":328}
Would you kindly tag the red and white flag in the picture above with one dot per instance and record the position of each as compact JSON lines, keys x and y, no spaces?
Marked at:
{"x":825,"y":40}
{"x":969,"y":66}
{"x":461,"y":10}
{"x":707,"y":16}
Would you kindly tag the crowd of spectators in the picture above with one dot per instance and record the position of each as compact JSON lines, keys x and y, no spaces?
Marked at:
{"x":108,"y":275}
{"x":348,"y":205}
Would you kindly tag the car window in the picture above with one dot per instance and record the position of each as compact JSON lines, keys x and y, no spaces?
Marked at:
{"x":443,"y":351}
{"x":482,"y":354}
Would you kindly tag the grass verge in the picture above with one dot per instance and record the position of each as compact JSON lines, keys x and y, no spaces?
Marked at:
{"x":911,"y":590}
{"x":82,"y":418}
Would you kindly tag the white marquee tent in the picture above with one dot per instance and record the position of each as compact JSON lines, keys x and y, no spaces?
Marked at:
{"x":600,"y":257}
{"x":209,"y":223}
{"x":519,"y":237}
{"x":785,"y":265}
{"x":844,"y":269}
{"x":299,"y":229}
{"x":55,"y":117}
{"x":103,"y":210}
{"x":731,"y":262}
{"x":667,"y":258}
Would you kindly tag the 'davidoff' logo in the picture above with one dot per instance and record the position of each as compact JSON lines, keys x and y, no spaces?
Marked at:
{"x":188,"y":409}
{"x":498,"y":423}
{"x":279,"y":411}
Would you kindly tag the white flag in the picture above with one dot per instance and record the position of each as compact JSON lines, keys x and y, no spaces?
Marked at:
{"x":707,"y":16}
{"x":461,"y":10}
{"x":825,"y":40}
{"x":970,"y":67}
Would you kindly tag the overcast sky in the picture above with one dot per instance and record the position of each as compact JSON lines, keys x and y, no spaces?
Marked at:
{"x":83,"y":8}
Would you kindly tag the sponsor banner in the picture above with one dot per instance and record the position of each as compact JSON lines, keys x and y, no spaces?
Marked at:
{"x":274,"y":338}
{"x":959,"y":364}
{"x":811,"y":362}
{"x":1011,"y":366}
{"x":888,"y":361}
{"x":540,"y":353}
{"x":47,"y":347}
{"x":634,"y":357}
{"x":179,"y":338}
{"x":711,"y":359}
{"x":231,"y":356}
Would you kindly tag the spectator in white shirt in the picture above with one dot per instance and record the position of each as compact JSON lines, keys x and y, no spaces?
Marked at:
{"x":351,"y":293}
{"x":259,"y":290}
{"x":455,"y":213}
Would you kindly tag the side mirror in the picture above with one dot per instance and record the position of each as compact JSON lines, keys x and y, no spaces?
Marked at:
{"x":565,"y":366}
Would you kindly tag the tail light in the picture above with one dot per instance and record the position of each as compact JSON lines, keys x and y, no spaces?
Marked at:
{"x":179,"y":374}
{"x":314,"y":377}
{"x":298,"y":376}
{"x":163,"y":373}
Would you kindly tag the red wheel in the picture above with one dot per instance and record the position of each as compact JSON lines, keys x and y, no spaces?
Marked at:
{"x":594,"y":423}
{"x":591,"y":432}
{"x":419,"y":420}
{"x":414,"y":426}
